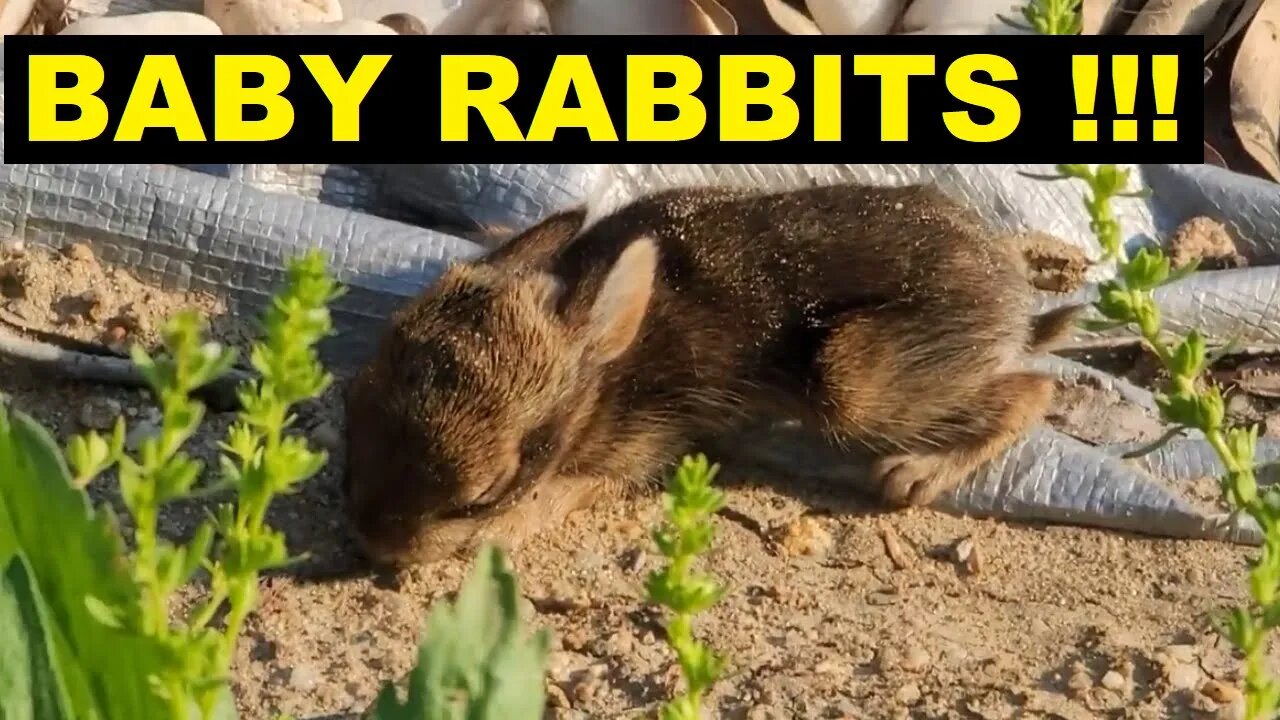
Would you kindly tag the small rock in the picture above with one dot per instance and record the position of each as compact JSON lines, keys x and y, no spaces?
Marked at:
{"x":91,"y":304}
{"x":1219,"y":692}
{"x":967,"y":555}
{"x":804,"y":536}
{"x":114,"y":336}
{"x":915,"y":659}
{"x":1080,"y":683}
{"x":100,"y":413}
{"x":1113,"y":680}
{"x":909,"y":694}
{"x":303,"y":678}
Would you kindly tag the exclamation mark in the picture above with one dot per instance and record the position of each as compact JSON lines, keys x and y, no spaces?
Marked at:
{"x":1164,"y":76}
{"x":1084,"y":76}
{"x":1124,"y":77}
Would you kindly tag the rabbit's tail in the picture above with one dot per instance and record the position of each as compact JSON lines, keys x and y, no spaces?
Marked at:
{"x":1050,"y":328}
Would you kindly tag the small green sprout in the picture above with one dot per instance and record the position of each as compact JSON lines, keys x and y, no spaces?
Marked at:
{"x":1050,"y":17}
{"x":690,"y":501}
{"x":260,"y":461}
{"x":1188,"y":401}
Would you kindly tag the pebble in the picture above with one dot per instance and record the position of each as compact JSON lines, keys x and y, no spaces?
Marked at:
{"x":804,"y":536}
{"x":915,"y":659}
{"x":968,"y":556}
{"x":909,"y":694}
{"x":1080,"y":682}
{"x":100,"y":413}
{"x":1113,"y":680}
{"x":303,"y":677}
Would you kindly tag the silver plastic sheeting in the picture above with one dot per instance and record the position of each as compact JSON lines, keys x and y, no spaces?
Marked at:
{"x":230,"y":229}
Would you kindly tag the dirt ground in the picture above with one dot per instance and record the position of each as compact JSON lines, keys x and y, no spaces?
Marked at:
{"x":834,"y":609}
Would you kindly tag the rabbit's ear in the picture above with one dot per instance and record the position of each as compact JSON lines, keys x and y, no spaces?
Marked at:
{"x":619,"y":309}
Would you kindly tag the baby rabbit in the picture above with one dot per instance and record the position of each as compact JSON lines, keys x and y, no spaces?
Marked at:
{"x":577,"y":362}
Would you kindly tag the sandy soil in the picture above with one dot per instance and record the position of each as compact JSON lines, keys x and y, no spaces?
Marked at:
{"x":834,"y":609}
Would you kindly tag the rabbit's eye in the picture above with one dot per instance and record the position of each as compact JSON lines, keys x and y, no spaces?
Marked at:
{"x":537,"y":444}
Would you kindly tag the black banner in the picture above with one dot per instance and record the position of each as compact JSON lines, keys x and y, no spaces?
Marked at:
{"x":378,"y":99}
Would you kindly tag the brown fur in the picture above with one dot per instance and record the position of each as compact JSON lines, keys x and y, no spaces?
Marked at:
{"x":571,"y":364}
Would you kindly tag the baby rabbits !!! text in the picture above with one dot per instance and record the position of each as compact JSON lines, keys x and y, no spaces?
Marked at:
{"x":362,"y":99}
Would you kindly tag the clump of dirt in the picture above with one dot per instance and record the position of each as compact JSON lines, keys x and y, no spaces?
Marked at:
{"x":1055,"y":266}
{"x":1207,"y":240}
{"x":71,"y":294}
{"x":1087,"y":412}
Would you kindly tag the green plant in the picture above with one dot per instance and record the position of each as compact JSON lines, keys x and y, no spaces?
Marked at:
{"x":475,"y":661}
{"x":94,"y":619}
{"x":1188,"y":401}
{"x":1050,"y":17}
{"x":690,"y":501}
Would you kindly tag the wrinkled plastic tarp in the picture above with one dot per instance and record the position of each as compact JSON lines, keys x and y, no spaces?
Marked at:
{"x":389,"y":230}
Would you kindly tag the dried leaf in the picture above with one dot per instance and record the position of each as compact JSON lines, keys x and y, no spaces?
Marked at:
{"x":1255,"y":89}
{"x":1175,"y":17}
{"x":720,"y":18}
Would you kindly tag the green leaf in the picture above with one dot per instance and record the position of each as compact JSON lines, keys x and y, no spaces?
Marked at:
{"x":74,"y":553}
{"x":31,"y":688}
{"x":475,"y":661}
